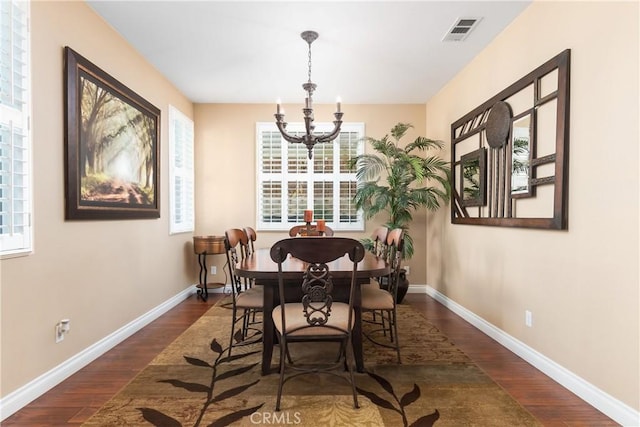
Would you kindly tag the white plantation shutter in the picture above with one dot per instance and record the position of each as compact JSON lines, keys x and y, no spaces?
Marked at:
{"x":289,"y":183}
{"x":15,"y":134}
{"x":345,"y":185}
{"x":181,"y":175}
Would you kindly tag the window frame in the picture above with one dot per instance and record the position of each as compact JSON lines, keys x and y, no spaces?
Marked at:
{"x":282,"y":177}
{"x":14,"y":244}
{"x":186,"y":199}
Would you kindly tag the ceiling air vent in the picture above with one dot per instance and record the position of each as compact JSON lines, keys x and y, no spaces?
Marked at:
{"x":461,"y":29}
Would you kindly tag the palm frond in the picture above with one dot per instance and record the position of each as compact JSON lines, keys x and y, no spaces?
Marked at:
{"x":368,"y":244}
{"x":431,"y":197}
{"x":369,"y":167}
{"x":371,"y":198}
{"x":435,"y":165}
{"x":423,"y":143}
{"x":445,"y":184}
{"x":407,"y":252}
{"x":399,"y":130}
{"x":416,"y":165}
{"x":364,"y":194}
{"x":383,"y":146}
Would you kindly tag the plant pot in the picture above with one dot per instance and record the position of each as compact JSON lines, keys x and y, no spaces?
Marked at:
{"x":403,"y":286}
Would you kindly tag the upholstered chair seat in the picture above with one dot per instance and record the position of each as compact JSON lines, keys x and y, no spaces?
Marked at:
{"x":297,"y":323}
{"x":377,"y":299}
{"x":251,"y":298}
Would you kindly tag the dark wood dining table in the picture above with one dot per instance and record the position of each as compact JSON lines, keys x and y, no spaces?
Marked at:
{"x":264,"y":271}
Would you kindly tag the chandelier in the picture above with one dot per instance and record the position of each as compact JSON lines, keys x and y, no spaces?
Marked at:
{"x":309,"y":139}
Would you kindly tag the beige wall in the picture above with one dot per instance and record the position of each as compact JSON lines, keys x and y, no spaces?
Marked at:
{"x":100,"y":274}
{"x":581,"y":284}
{"x":226,"y":166}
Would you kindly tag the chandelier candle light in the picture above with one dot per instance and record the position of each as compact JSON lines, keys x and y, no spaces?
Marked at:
{"x":309,"y":139}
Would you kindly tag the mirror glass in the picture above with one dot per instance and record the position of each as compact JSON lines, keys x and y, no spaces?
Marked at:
{"x":520,"y":156}
{"x":473,"y":178}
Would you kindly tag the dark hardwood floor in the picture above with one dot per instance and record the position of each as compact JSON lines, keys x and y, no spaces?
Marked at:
{"x":548,"y":401}
{"x":77,"y":398}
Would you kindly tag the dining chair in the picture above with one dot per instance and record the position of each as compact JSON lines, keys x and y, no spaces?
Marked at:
{"x":379,"y":237}
{"x":246,"y":300}
{"x":301,"y":230}
{"x":252,"y":237}
{"x":316,"y":317}
{"x":379,"y":249}
{"x":381,"y":302}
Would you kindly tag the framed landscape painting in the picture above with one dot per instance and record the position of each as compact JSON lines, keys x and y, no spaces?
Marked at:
{"x":112,"y":146}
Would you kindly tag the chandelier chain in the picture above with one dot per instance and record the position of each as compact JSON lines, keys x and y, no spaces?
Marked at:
{"x":309,"y":62}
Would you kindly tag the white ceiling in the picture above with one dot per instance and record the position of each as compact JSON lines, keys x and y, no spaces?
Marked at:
{"x":368,"y":52}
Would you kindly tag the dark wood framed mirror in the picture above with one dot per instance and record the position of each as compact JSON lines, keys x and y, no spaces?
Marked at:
{"x":472,"y":178}
{"x":509,"y":155}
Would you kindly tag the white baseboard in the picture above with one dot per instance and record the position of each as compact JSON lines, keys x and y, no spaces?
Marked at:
{"x":417,"y":289}
{"x":602,"y":401}
{"x":18,"y":399}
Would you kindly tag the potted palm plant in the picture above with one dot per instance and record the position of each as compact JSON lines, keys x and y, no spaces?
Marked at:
{"x":397,"y":181}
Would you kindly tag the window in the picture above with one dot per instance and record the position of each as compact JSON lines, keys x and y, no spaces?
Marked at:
{"x":289,"y":183}
{"x":15,"y":138}
{"x":181,"y":218}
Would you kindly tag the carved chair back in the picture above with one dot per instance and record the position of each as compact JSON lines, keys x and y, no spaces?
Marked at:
{"x":317,"y":283}
{"x":379,"y":237}
{"x":237,"y":247}
{"x":252,"y":237}
{"x":395,"y":245}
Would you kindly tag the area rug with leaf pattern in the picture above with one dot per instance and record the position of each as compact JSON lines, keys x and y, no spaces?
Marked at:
{"x":193,"y":382}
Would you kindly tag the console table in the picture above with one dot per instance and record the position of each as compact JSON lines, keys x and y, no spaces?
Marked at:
{"x":203,"y":246}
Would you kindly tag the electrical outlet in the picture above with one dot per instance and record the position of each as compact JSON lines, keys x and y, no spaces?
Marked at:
{"x":62,"y":328}
{"x":59,"y":333}
{"x":528,"y":318}
{"x":214,"y":269}
{"x":407,"y":270}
